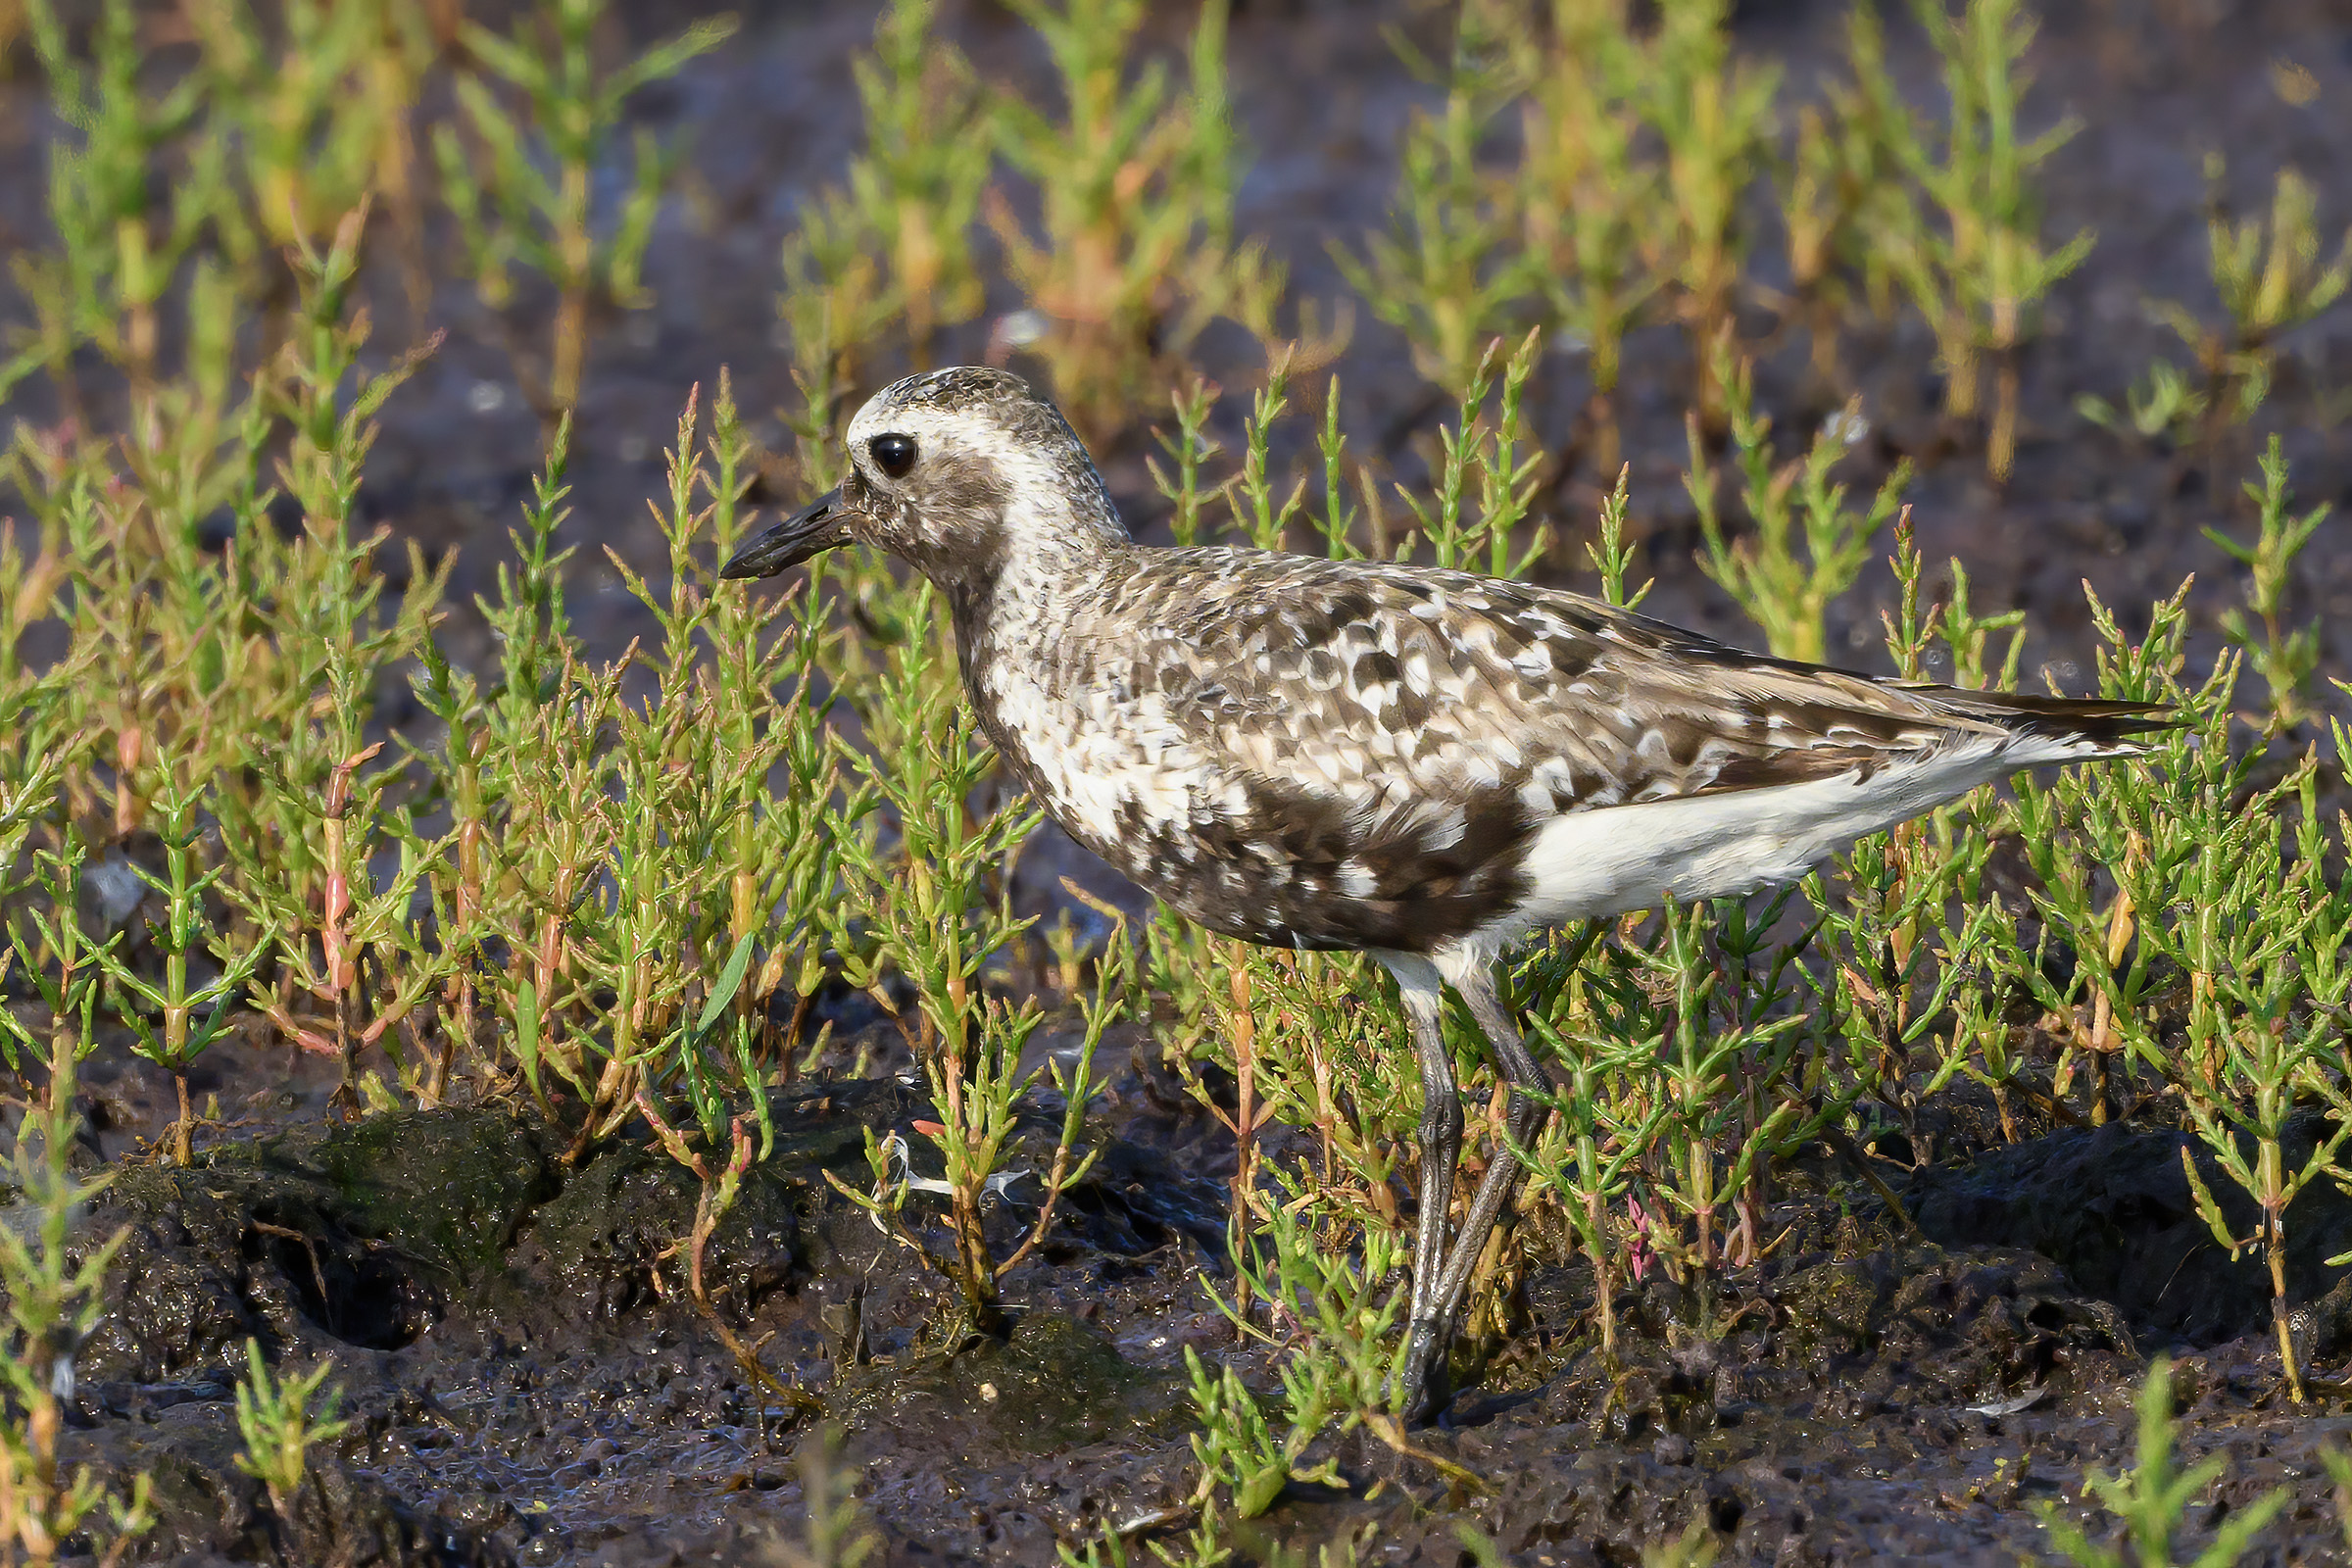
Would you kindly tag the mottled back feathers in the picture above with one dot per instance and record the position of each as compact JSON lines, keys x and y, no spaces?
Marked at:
{"x":1337,"y":755}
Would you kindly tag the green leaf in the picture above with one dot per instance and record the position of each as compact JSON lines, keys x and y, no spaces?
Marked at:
{"x":1256,"y":1494}
{"x":730,"y":981}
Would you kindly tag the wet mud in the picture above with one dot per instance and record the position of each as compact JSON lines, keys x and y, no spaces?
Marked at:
{"x":529,"y":1386}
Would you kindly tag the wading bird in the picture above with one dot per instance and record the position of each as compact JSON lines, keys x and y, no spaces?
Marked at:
{"x":1420,"y":764}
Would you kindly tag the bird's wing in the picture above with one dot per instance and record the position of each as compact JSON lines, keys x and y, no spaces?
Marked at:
{"x":1377,"y":683}
{"x":1388,"y":739}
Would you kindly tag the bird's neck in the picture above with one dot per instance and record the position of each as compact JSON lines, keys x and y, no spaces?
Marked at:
{"x":1044,"y":561}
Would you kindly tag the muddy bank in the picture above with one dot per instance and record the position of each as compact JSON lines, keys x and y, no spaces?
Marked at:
{"x":528,"y":1389}
{"x":502,"y":1326}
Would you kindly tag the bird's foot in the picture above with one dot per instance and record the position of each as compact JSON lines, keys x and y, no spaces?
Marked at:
{"x":1423,"y":1379}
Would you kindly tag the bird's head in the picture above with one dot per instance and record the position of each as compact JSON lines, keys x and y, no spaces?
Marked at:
{"x":956,"y":472}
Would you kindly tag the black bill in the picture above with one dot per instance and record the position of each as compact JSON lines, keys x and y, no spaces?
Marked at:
{"x":819,"y":525}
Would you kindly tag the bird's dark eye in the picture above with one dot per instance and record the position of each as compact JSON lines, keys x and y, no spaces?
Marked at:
{"x":894,"y":455}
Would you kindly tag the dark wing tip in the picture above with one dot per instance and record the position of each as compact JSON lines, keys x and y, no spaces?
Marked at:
{"x":2102,"y":721}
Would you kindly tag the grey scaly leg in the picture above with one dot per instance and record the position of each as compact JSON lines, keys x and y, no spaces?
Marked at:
{"x":1423,"y":992}
{"x":1525,"y":1119}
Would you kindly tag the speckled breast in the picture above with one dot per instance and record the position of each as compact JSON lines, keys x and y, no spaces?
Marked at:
{"x":1245,"y":856}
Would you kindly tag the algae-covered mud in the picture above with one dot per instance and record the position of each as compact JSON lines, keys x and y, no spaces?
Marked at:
{"x":527,"y":1389}
{"x":618,"y":1028}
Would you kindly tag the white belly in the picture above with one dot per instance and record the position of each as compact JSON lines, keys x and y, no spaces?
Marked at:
{"x":1623,"y":857}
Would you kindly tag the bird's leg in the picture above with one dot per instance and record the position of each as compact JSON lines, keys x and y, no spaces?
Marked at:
{"x":1525,"y":1120}
{"x":1441,"y":1153}
{"x":1423,"y":992}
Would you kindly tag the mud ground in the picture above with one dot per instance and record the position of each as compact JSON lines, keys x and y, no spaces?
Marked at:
{"x":531,"y":1393}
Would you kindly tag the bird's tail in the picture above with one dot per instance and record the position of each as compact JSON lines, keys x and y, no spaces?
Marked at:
{"x":2069,"y":728}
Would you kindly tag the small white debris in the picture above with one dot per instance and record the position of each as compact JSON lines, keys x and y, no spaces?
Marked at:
{"x":996,"y":1189}
{"x":485,"y":397}
{"x":2024,"y":1402}
{"x":1847,"y":427}
{"x":988,"y":1393}
{"x":110,"y":891}
{"x":1023,"y":329}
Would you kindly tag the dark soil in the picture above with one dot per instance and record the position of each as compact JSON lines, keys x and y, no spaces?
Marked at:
{"x":528,"y":1390}
{"x":530,"y":1394}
